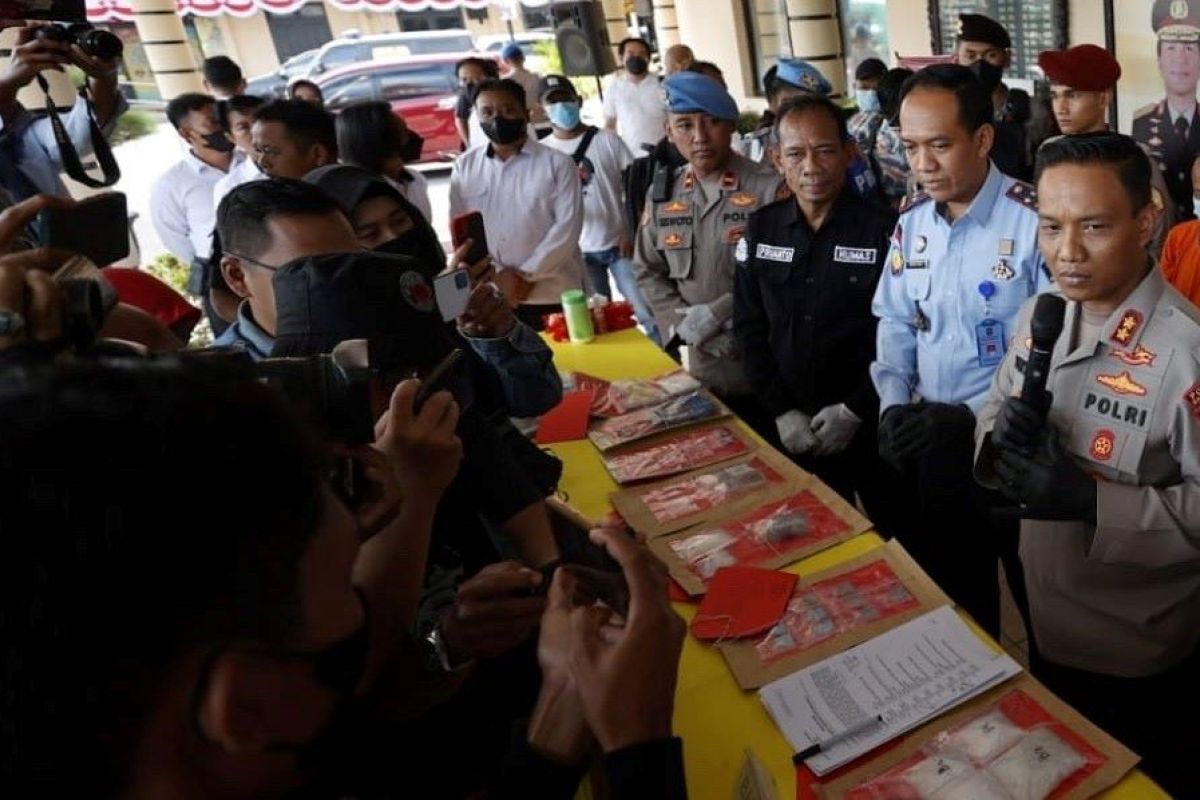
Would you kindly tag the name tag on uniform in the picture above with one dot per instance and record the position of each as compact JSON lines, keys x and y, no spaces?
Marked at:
{"x":769,"y":252}
{"x":854,"y":255}
{"x":989,"y":338}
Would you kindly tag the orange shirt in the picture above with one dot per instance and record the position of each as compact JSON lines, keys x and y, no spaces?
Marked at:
{"x":1181,"y":259}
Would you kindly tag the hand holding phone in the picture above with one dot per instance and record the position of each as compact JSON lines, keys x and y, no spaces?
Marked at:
{"x":452,"y":291}
{"x":470,"y":226}
{"x":96,"y":228}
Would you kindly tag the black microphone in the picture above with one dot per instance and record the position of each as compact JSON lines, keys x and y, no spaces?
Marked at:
{"x":1044,"y":329}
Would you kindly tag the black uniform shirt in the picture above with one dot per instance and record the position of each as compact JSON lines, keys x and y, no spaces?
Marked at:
{"x":802,"y":304}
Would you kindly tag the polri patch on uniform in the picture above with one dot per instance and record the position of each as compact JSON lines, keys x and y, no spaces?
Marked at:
{"x":897,"y":262}
{"x":1128,"y":327}
{"x":1104,"y":444}
{"x":1192,"y":398}
{"x":416,"y":291}
{"x":673,"y":241}
{"x":743,"y":199}
{"x":770,"y":252}
{"x":854,"y":255}
{"x":675,"y":207}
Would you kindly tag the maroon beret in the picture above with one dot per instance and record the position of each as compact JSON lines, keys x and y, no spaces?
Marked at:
{"x":1085,"y":67}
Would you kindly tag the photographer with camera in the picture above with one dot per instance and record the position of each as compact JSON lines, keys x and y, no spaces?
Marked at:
{"x":32,"y":151}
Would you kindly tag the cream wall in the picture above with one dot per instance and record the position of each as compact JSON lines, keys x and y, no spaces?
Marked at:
{"x":708,"y":26}
{"x":908,"y":28}
{"x":249,"y":43}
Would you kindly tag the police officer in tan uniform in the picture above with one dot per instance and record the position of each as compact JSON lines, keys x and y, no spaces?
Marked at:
{"x":1108,"y":484}
{"x":684,"y":256}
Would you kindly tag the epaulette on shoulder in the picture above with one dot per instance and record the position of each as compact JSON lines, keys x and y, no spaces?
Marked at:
{"x":911,"y":201}
{"x":1023,"y":193}
{"x":1149,"y":108}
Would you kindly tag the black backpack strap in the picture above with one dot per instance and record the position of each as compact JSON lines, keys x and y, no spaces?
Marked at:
{"x":581,"y":150}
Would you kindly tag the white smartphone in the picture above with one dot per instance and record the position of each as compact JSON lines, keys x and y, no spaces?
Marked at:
{"x":452,"y":290}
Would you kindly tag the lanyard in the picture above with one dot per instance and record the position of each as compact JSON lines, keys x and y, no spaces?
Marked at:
{"x":66,"y":148}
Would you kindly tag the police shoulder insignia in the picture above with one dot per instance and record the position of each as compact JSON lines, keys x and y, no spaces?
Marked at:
{"x":1023,"y":193}
{"x":675,"y":207}
{"x":1128,"y":327}
{"x":1149,"y":108}
{"x":1104,"y":442}
{"x":909,"y":202}
{"x":1192,"y":398}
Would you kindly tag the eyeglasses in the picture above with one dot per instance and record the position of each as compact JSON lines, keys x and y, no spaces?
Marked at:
{"x":253,"y":261}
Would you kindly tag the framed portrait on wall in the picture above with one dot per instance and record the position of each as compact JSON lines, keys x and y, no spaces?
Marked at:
{"x":1033,"y":26}
{"x":1157,"y":43}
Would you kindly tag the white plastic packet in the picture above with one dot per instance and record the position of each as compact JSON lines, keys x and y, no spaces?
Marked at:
{"x":983,"y":738}
{"x":1036,"y":765}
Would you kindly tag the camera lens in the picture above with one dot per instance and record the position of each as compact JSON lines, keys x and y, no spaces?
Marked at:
{"x":101,"y":44}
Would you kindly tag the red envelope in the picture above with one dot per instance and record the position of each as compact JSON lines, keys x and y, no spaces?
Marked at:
{"x":568,"y":420}
{"x":742,"y":601}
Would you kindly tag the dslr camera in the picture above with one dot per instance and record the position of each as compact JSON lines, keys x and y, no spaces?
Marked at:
{"x":96,"y":43}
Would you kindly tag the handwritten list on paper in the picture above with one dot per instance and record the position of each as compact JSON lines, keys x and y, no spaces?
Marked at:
{"x":907,"y":676}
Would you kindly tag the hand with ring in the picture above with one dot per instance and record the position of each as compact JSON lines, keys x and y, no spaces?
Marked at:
{"x":30,"y":307}
{"x":488,"y":314}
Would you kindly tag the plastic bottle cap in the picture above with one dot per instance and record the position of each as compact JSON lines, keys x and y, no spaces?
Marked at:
{"x":573,"y":297}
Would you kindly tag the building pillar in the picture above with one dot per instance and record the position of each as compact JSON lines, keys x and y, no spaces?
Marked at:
{"x":165,"y":42}
{"x":615,"y":22}
{"x":815,"y":32}
{"x":666,"y":24}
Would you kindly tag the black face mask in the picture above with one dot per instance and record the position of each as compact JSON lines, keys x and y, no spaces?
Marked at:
{"x":636,"y":65}
{"x":217,"y":141}
{"x":410,"y":151}
{"x":419,"y":245}
{"x":503,"y":130}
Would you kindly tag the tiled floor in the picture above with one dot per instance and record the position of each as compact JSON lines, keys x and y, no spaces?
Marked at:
{"x":1013,"y":637}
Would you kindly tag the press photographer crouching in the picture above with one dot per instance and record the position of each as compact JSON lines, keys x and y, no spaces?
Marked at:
{"x":35,"y":149}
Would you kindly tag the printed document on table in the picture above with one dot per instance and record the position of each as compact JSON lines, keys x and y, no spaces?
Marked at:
{"x":908,"y":675}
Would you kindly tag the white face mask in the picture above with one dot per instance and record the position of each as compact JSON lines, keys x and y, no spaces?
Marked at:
{"x":1196,"y":206}
{"x":867,"y":99}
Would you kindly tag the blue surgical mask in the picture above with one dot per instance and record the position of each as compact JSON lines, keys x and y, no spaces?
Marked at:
{"x":564,"y":115}
{"x":867,"y":99}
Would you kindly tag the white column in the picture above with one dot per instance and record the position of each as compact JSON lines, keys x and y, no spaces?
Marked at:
{"x":816,"y":36}
{"x":165,"y":42}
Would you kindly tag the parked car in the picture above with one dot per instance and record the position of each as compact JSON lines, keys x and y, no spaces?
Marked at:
{"x":421,"y":89}
{"x":274,"y":84}
{"x":534,"y":62}
{"x":348,"y":50}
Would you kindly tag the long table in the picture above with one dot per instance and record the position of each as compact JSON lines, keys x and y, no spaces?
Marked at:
{"x":716,"y":719}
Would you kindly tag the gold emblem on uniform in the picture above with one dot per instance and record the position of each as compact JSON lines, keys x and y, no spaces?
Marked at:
{"x":1140,"y":357}
{"x":1127,"y":327}
{"x":1122,"y":384}
{"x":1103,"y":444}
{"x":1006,"y":247}
{"x":897,"y":262}
{"x":729,"y":180}
{"x":1003,"y":272}
{"x":1179,"y":9}
{"x":1192,"y":398}
{"x":675,"y":206}
{"x":734,"y":234}
{"x":919,"y":244}
{"x":673,"y":240}
{"x":688,"y":181}
{"x":742,"y":199}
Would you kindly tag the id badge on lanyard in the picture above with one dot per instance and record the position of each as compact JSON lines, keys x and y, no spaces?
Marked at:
{"x":989,"y":334}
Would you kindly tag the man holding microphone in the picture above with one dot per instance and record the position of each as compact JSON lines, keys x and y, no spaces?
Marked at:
{"x":1107,"y":478}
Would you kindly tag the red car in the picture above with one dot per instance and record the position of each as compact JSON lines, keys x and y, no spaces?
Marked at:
{"x":422,"y":90}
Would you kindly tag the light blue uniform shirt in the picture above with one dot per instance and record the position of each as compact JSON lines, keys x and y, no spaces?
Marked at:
{"x":934,"y":271}
{"x":36,"y":150}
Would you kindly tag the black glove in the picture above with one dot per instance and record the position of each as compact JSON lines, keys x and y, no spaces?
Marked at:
{"x":893,"y":419}
{"x":934,"y":424}
{"x":1048,"y":485}
{"x":1019,"y":427}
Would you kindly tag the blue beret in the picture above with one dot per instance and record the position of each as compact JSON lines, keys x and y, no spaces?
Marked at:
{"x":689,"y":92}
{"x":512,"y":50}
{"x":802,"y":75}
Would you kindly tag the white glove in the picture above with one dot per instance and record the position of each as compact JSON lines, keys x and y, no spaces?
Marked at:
{"x":795,"y":431}
{"x":834,"y":427}
{"x":702,"y":322}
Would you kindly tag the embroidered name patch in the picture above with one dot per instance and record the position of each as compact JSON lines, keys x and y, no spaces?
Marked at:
{"x":854,"y":255}
{"x":769,"y":252}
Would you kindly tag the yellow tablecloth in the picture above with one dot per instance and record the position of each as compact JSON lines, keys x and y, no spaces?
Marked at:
{"x":715,"y":718}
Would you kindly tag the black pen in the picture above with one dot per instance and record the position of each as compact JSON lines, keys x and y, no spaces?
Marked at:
{"x":833,"y":741}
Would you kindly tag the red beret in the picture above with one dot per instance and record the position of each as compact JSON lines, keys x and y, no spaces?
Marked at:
{"x":1085,"y":67}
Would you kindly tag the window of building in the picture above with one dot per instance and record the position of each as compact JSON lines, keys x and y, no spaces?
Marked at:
{"x":864,"y":33}
{"x":476,"y":14}
{"x":536,"y":18}
{"x":429,"y":20}
{"x":768,"y":34}
{"x":1033,"y":27}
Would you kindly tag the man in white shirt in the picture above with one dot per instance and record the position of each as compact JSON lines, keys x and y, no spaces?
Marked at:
{"x":514,"y":58}
{"x":531,"y":203}
{"x":223,"y":78}
{"x":600,"y":157}
{"x":237,"y":118}
{"x":633,"y":101}
{"x":181,"y":206}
